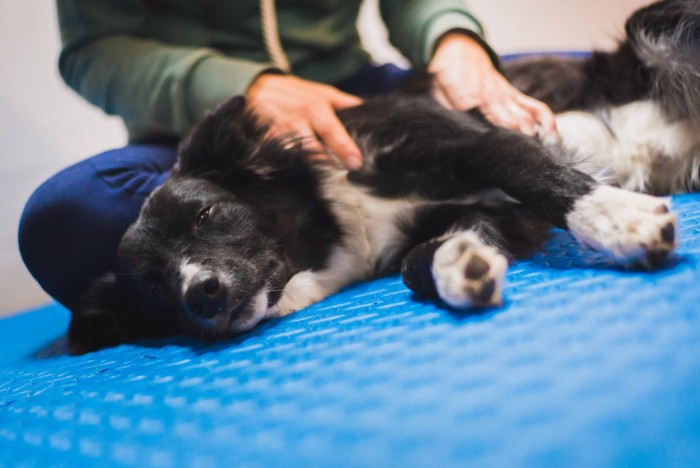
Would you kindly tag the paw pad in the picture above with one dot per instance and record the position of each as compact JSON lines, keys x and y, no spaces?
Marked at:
{"x":476,"y":267}
{"x":468,"y":273}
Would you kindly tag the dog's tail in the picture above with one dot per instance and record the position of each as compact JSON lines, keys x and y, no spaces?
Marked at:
{"x":666,"y":38}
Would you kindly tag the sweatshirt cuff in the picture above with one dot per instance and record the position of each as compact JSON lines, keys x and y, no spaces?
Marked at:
{"x":451,"y":21}
{"x":217,"y":78}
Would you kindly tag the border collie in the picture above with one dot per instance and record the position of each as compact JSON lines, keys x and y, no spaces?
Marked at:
{"x":250,"y":228}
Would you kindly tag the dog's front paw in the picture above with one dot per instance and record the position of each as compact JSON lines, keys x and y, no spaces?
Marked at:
{"x":468,"y":273}
{"x":632,"y":227}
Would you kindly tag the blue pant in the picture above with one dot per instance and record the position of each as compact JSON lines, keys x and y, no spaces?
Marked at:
{"x":72,"y":224}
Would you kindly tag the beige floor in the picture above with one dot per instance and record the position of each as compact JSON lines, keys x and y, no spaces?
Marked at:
{"x":44,"y":126}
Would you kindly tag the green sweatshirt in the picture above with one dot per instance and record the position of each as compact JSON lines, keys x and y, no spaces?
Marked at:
{"x":159,"y":64}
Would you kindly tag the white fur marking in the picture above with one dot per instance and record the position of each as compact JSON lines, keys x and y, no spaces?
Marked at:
{"x":625,"y":224}
{"x":449,"y":266}
{"x":187,"y":272}
{"x":369,"y":223}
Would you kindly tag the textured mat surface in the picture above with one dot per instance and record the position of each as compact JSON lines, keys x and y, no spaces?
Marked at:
{"x":585,"y":365}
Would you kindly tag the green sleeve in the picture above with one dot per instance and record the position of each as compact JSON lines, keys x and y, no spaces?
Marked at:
{"x":416,"y":25}
{"x":155,"y":87}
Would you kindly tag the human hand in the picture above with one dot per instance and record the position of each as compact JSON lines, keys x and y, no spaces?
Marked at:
{"x":465,"y":78}
{"x":306,"y":109}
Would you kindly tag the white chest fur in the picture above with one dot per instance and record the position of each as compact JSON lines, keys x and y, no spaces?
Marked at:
{"x":370,"y":230}
{"x":370,"y":224}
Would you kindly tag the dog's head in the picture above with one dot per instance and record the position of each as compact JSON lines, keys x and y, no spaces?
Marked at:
{"x":206,"y":257}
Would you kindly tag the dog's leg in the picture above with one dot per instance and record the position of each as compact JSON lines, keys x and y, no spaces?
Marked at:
{"x":630,"y":227}
{"x":459,"y":268}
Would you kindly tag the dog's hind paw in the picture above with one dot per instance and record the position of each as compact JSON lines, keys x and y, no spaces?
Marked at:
{"x":631,"y":227}
{"x":468,"y":273}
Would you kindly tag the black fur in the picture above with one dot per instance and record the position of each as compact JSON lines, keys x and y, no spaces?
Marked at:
{"x":439,"y":154}
{"x":575,"y":84}
{"x":659,"y":59}
{"x":253,"y":212}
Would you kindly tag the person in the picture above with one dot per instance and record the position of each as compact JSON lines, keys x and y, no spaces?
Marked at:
{"x":161,"y":64}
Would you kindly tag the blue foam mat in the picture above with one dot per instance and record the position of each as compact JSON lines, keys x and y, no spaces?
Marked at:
{"x":586,"y":364}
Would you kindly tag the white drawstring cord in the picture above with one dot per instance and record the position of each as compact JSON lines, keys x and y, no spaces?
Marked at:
{"x":271,"y":36}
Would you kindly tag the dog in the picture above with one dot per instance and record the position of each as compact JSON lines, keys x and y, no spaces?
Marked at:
{"x":249,"y":227}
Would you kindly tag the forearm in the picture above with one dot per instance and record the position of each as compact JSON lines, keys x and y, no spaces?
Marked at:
{"x":469,"y":45}
{"x":154,"y":86}
{"x":415,"y":26}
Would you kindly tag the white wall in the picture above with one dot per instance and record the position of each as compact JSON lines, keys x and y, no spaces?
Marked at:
{"x":44,"y":126}
{"x":516,"y":26}
{"x":528,"y":25}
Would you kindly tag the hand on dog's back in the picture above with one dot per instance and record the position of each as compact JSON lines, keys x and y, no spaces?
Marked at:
{"x":307,"y":110}
{"x":466,"y":78}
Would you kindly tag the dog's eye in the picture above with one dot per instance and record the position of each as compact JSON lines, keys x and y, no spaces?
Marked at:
{"x":155,"y":290}
{"x":203,"y":215}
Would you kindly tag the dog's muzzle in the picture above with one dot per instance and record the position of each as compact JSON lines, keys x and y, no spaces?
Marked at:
{"x":207,"y":296}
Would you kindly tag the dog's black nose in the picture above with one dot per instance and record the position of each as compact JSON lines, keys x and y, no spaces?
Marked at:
{"x":205,"y":297}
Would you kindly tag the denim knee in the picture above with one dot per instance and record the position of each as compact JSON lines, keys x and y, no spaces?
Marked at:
{"x":71,"y":225}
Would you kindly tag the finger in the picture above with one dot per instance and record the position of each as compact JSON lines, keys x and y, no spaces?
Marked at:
{"x":341,"y":100}
{"x":543,"y":115}
{"x":300,"y":134}
{"x":504,"y":114}
{"x":319,"y":157}
{"x":524,"y":120}
{"x":456,"y":98}
{"x":335,"y":137}
{"x":500,"y":117}
{"x":526,"y":126}
{"x":312,"y":144}
{"x":440,"y":97}
{"x":283,"y":132}
{"x":316,"y":150}
{"x":516,"y":116}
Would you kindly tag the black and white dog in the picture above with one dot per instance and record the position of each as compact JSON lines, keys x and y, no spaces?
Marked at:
{"x":249,"y":228}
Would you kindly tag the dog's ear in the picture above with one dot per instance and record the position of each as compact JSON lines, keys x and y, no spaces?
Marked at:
{"x":229,"y":145}
{"x":109,"y":315}
{"x":224,"y":137}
